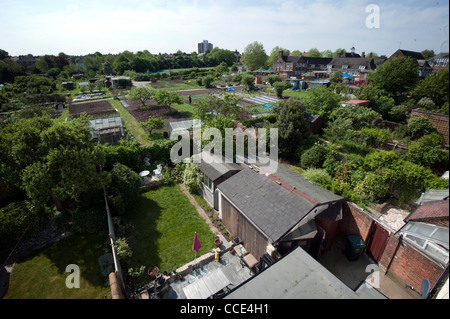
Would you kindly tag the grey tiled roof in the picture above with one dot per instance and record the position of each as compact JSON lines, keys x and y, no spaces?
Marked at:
{"x":272,"y":208}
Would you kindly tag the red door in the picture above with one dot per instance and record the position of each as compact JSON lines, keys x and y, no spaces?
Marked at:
{"x":378,"y":239}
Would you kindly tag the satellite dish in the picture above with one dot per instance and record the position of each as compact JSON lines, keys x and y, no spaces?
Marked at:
{"x":425,"y":288}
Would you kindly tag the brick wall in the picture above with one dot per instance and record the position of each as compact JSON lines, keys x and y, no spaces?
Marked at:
{"x":355,"y":221}
{"x":408,"y":264}
{"x":399,"y":258}
{"x":440,"y":121}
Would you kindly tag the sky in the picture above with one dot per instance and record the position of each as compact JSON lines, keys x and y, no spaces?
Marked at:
{"x":86,"y":26}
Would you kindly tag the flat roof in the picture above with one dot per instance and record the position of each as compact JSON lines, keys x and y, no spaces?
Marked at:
{"x":298,"y":276}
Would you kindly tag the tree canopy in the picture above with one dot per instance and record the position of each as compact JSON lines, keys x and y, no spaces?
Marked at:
{"x":254,"y":56}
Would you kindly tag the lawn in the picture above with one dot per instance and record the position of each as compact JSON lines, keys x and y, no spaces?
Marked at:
{"x":164,"y":225}
{"x":131,"y":123}
{"x":42,"y":275}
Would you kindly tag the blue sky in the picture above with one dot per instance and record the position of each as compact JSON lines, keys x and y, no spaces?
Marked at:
{"x":82,"y":27}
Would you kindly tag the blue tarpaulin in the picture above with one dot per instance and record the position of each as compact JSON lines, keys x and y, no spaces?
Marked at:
{"x":346,"y":75}
{"x":230,"y":89}
{"x":267,"y":106}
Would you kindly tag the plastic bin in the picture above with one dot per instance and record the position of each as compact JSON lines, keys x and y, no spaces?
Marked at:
{"x":354,"y":247}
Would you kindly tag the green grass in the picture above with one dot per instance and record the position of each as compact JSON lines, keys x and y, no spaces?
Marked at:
{"x":131,"y":124}
{"x":165,"y":222}
{"x":42,"y":275}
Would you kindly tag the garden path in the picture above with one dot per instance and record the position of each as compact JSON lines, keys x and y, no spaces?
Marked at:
{"x":200,"y":210}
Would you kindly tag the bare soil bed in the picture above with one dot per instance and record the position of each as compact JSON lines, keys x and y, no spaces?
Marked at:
{"x":161,"y":111}
{"x":95,"y":109}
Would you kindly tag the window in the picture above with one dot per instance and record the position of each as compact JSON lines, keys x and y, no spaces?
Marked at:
{"x":208,"y":182}
{"x":362,"y":68}
{"x":344,"y":67}
{"x":433,"y":240}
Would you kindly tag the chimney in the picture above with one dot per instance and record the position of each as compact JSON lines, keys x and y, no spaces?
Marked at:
{"x":363,"y":54}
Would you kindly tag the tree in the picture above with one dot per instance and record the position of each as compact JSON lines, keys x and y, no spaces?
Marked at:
{"x":274,"y":55}
{"x":280,"y":87}
{"x":435,"y":86}
{"x":293,"y":129}
{"x":396,"y":77}
{"x":141,"y":93}
{"x":51,"y":159}
{"x":124,"y":189}
{"x":314,"y":53}
{"x":153,"y":123}
{"x":321,"y":101}
{"x":165,"y":97}
{"x":428,"y":54}
{"x":427,"y":151}
{"x":254,"y":56}
{"x":249,"y":81}
{"x":272,"y":78}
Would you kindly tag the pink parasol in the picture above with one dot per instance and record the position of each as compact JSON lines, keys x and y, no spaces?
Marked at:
{"x":196,"y":245}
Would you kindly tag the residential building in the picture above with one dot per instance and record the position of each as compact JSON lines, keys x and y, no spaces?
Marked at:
{"x":424,"y":68}
{"x":439,"y":62}
{"x":204,"y":46}
{"x":354,"y":69}
{"x":296,"y":66}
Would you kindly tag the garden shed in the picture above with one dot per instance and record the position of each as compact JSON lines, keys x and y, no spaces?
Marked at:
{"x":180,"y":126}
{"x":107,"y":130}
{"x":272,"y":215}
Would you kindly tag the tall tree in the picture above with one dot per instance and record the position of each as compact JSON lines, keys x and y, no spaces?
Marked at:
{"x":293,"y":129}
{"x":254,"y":56}
{"x":396,"y":77}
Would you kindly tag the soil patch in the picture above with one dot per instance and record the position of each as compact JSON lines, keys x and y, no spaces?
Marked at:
{"x":168,"y":114}
{"x":96,"y":109}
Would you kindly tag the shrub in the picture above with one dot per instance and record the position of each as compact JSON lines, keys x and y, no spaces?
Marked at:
{"x":314,"y":157}
{"x":319,"y":177}
{"x":89,"y":220}
{"x":420,"y":126}
{"x":192,"y":177}
{"x":373,"y":187}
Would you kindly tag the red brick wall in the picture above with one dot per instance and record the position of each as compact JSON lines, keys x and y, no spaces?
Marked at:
{"x":408,"y":264}
{"x":440,"y":121}
{"x":355,"y":221}
{"x":402,"y":260}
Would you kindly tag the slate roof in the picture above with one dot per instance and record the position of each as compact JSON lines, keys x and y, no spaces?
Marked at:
{"x":272,"y":205}
{"x":218,"y":169}
{"x":294,"y":179}
{"x":353,"y":63}
{"x":267,"y":205}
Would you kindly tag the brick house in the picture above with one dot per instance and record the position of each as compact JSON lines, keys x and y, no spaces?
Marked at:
{"x":440,"y":121}
{"x":439,"y":62}
{"x":296,"y":66}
